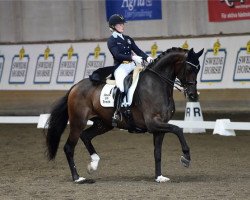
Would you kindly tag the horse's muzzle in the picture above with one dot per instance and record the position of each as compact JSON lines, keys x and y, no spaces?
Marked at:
{"x":192,"y":94}
{"x":193,"y":97}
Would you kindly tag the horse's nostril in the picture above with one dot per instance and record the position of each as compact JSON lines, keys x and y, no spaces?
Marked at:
{"x":193,"y":97}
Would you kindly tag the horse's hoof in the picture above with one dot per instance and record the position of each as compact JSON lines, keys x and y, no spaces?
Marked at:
{"x":162,"y":179}
{"x":82,"y":180}
{"x":185,"y":162}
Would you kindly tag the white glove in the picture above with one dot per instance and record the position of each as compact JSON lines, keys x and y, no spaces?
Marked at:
{"x":150,"y":59}
{"x":137,"y":59}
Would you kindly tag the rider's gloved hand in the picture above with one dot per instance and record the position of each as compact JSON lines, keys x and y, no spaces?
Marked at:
{"x":137,"y":59}
{"x":150,"y":59}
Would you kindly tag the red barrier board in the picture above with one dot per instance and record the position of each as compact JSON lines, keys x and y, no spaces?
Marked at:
{"x":228,"y":10}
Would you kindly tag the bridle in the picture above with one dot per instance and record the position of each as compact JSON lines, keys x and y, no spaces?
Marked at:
{"x":177,"y":82}
{"x":194,"y":67}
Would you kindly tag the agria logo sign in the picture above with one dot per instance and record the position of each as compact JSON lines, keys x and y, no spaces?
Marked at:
{"x":135,"y":9}
{"x":131,"y":4}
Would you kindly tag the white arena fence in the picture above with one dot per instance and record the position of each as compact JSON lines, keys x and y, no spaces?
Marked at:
{"x":221,"y":126}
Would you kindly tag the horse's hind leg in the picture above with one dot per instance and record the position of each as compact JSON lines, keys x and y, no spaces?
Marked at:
{"x":76,"y":127}
{"x":98,"y":128}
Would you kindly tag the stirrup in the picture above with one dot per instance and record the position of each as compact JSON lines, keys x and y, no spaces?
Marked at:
{"x":127,"y":111}
{"x":116,"y":118}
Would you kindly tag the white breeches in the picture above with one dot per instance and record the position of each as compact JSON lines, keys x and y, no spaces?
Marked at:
{"x":121,"y":72}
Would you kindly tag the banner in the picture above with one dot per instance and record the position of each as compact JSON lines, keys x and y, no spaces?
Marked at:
{"x":134,"y":9}
{"x":225,"y":62}
{"x":228,"y":10}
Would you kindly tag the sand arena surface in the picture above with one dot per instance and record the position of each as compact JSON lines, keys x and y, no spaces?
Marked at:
{"x":219,"y":169}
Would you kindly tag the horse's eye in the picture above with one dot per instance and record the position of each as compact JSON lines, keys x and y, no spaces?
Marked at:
{"x":189,"y":68}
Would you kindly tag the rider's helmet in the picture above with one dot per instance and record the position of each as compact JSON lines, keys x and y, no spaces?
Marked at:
{"x":116,"y":19}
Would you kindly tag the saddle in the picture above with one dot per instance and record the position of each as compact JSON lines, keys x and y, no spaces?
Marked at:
{"x":103,"y":75}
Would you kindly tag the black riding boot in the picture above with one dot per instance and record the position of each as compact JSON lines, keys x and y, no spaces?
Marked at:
{"x":117,"y":104}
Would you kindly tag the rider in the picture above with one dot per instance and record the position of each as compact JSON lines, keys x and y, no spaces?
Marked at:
{"x":126,"y":55}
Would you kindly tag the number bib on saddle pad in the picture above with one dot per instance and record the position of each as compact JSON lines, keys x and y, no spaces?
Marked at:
{"x":106,"y":97}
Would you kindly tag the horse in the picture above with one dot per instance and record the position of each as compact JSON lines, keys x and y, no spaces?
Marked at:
{"x":152,"y":108}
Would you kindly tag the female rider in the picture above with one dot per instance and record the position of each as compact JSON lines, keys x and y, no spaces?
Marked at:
{"x":125,"y":53}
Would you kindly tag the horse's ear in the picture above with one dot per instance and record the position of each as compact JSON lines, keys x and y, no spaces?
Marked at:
{"x":190,"y":52}
{"x":200,"y":53}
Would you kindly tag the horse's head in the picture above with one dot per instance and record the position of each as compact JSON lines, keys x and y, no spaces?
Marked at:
{"x":188,"y":74}
{"x":178,"y":63}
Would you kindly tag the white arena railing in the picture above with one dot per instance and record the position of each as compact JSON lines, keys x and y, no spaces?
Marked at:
{"x":221,"y":126}
{"x":19,"y":119}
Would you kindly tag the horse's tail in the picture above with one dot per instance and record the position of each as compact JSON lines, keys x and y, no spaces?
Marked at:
{"x":56,"y":123}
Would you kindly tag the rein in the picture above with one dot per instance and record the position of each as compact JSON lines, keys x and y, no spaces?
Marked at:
{"x":174,"y":83}
{"x":170,"y":82}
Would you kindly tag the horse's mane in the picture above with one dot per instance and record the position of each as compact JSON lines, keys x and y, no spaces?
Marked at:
{"x":164,"y":53}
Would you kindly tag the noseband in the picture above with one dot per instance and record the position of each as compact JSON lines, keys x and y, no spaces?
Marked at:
{"x":194,"y":67}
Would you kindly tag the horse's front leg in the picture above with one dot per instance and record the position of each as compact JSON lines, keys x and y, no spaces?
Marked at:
{"x":158,"y":139}
{"x":159,"y":127}
{"x":185,"y":158}
{"x":165,"y":127}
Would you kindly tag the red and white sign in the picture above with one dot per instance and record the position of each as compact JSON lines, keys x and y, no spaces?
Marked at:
{"x":228,"y":10}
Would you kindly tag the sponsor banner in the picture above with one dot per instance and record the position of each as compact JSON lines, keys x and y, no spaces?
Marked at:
{"x":228,"y":10}
{"x":134,"y":9}
{"x":213,"y":64}
{"x":44,"y":67}
{"x":94,"y":61}
{"x":225,"y":62}
{"x":154,"y":51}
{"x":67,"y":67}
{"x":242,"y":65}
{"x":19,"y":68}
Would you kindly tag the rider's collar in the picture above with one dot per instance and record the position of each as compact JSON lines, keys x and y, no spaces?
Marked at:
{"x":115,"y":34}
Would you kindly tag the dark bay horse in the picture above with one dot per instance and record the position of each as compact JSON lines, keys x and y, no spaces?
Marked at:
{"x":152,"y":108}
